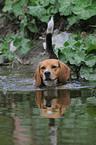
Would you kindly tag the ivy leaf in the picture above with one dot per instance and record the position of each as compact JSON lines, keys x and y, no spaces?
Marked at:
{"x":32,"y":26}
{"x":45,"y":18}
{"x":79,"y":57}
{"x":90,"y":42}
{"x":9,"y":38}
{"x":88,"y":73}
{"x":65,"y":7}
{"x":75,"y":57}
{"x":1,"y":41}
{"x":91,"y":100}
{"x":1,"y":59}
{"x":72,"y":20}
{"x":17,"y":42}
{"x":25,"y":46}
{"x":62,"y":58}
{"x":37,"y":11}
{"x":52,"y":1}
{"x":84,"y":12}
{"x":90,"y":60}
{"x":66,"y":44}
{"x":91,"y":47}
{"x":23,"y":2}
{"x":83,"y":3}
{"x":18,"y":9}
{"x":24,"y":21}
{"x":44,"y":2}
{"x":4,"y":47}
{"x":8,"y":6}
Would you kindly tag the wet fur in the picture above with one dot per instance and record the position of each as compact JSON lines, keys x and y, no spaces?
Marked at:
{"x":64,"y":70}
{"x":61,"y":75}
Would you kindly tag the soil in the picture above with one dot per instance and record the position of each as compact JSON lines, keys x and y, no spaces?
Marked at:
{"x":36,"y":55}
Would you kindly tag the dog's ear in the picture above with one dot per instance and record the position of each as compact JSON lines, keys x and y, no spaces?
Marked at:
{"x":37,"y":77}
{"x":38,"y":98}
{"x":65,"y":72}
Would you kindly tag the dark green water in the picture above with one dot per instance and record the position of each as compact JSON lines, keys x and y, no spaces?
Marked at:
{"x":53,"y":116}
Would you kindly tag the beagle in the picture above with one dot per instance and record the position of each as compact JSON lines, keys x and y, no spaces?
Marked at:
{"x":51,"y":72}
{"x":52,"y":103}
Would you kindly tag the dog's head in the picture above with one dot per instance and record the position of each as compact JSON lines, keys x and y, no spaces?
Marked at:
{"x":52,"y":103}
{"x":50,"y":72}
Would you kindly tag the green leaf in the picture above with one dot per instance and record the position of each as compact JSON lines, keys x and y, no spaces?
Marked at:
{"x":8,"y":6}
{"x":91,"y":47}
{"x":75,"y":58}
{"x":90,"y":42}
{"x":10,"y":37}
{"x":23,"y":2}
{"x":17,"y":42}
{"x":65,"y":7}
{"x":1,"y":41}
{"x":32,"y":26}
{"x":82,"y":3}
{"x":51,"y":10}
{"x":79,"y":57}
{"x":37,"y":11}
{"x":72,"y":20}
{"x":18,"y":9}
{"x":1,"y":59}
{"x":62,"y":58}
{"x":4,"y":47}
{"x":66,"y":44}
{"x":84,"y":12}
{"x":90,"y":60}
{"x":88,"y":73}
{"x":24,"y":46}
{"x":52,"y":1}
{"x":91,"y":100}
{"x":9,"y":54}
{"x":70,"y":42}
{"x":45,"y":18}
{"x":24,"y":21}
{"x":44,"y":2}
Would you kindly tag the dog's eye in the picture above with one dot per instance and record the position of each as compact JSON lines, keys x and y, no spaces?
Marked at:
{"x":54,"y":67}
{"x":43,"y":67}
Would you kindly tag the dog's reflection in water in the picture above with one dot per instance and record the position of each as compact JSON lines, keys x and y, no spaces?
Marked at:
{"x":52,"y":103}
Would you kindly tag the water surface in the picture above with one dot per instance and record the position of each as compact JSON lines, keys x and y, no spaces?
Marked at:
{"x":64,"y":115}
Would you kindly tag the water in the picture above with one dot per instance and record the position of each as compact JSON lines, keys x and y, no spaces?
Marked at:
{"x":64,"y":115}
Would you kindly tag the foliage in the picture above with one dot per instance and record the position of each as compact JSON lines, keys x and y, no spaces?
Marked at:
{"x":27,"y":12}
{"x":22,"y":44}
{"x":77,"y":10}
{"x":78,"y":53}
{"x":4,"y":49}
{"x":42,"y":9}
{"x":19,"y":42}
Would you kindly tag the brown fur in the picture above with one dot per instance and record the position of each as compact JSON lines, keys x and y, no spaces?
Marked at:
{"x":61,"y":72}
{"x":59,"y":101}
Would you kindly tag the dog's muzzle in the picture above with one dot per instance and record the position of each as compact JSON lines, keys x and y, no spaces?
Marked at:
{"x":48,"y":81}
{"x":47,"y":75}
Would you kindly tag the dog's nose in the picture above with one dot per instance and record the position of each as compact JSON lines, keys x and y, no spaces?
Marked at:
{"x":47,"y":74}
